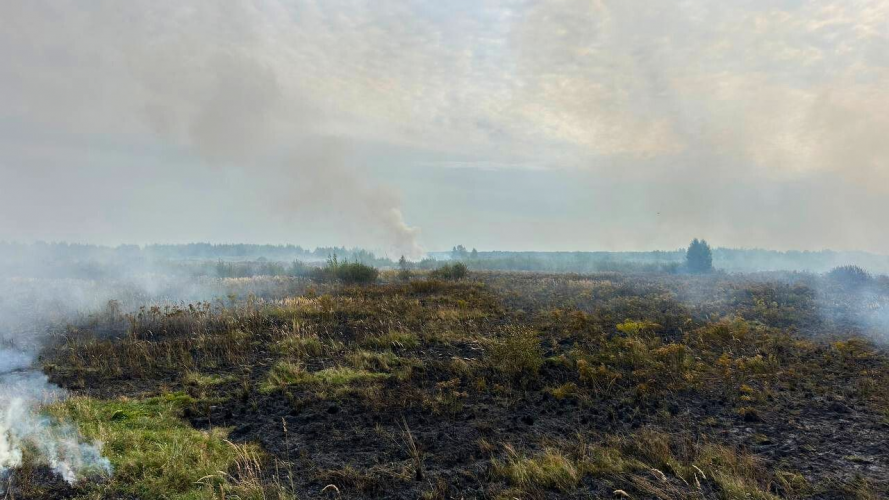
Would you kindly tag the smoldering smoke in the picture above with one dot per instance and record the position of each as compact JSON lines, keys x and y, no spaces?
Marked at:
{"x":32,"y":308}
{"x":23,"y":390}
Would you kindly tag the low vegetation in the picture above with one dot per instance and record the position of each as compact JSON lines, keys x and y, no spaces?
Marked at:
{"x":495,"y":386}
{"x":155,"y":454}
{"x":346,"y":272}
{"x":455,"y":271}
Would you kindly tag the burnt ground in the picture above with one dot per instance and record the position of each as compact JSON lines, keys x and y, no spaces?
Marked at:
{"x":660,"y":387}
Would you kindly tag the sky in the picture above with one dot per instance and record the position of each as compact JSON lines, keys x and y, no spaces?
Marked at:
{"x":414,"y":126}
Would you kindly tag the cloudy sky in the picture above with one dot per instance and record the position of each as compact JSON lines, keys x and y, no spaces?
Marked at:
{"x":410,"y":126}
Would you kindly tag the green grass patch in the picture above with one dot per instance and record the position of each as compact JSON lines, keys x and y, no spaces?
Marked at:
{"x":550,"y":469}
{"x":156,"y":455}
{"x":205,"y":380}
{"x":287,"y":373}
{"x":343,"y":375}
{"x":301,"y":345}
{"x":392,"y":339}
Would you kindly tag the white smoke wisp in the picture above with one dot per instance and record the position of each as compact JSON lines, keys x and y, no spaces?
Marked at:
{"x":320,"y":186}
{"x":404,"y":237}
{"x":861,"y":307}
{"x":23,"y":391}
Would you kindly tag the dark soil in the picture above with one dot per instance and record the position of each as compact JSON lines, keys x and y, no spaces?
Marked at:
{"x":814,"y":411}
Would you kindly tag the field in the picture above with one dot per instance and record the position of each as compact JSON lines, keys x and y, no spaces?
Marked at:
{"x":499,"y":385}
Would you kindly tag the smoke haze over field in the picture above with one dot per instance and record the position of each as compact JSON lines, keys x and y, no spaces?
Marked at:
{"x":518,"y":125}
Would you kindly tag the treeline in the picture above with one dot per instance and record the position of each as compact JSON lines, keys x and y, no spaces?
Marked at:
{"x":570,"y":262}
{"x":672,"y":261}
{"x":187,"y":251}
{"x":79,"y":261}
{"x":82,"y":261}
{"x":244,"y":251}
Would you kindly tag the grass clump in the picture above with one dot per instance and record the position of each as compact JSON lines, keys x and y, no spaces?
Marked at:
{"x":156,"y":455}
{"x":518,"y":354}
{"x":386,"y":362}
{"x":301,"y":345}
{"x":287,"y":373}
{"x":343,"y":375}
{"x":284,"y":374}
{"x":550,"y":469}
{"x":198,"y":379}
{"x":392,"y":339}
{"x":630,"y":462}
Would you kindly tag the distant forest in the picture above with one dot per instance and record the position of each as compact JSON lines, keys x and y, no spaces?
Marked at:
{"x":63,"y":260}
{"x":82,"y":261}
{"x":725,"y":259}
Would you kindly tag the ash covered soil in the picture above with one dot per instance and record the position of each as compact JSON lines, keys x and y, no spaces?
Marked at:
{"x":498,"y":386}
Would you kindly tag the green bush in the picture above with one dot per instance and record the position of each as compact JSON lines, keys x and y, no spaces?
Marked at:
{"x":455,"y":272}
{"x":347,"y":272}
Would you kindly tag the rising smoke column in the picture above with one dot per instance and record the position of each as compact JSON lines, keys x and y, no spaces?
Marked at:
{"x":239,"y":106}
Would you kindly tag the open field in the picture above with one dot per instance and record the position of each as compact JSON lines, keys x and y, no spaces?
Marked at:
{"x":435,"y":250}
{"x":501,"y":385}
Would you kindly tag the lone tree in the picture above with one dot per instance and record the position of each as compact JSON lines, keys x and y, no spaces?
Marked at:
{"x":404,"y":269}
{"x":699,"y":258}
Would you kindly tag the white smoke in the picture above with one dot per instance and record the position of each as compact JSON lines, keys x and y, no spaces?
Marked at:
{"x":33,"y":309}
{"x":219,"y":82}
{"x":23,"y":391}
{"x":29,"y":307}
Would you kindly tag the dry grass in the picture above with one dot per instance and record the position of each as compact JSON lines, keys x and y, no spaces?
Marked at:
{"x":648,"y":462}
{"x":625,"y":351}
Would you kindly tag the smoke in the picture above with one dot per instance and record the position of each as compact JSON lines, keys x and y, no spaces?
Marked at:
{"x":221,"y":86}
{"x":245,"y":112}
{"x":28,"y":308}
{"x":754,"y":123}
{"x":33,"y":309}
{"x":326,"y":190}
{"x":854,"y":302}
{"x":22,"y":426}
{"x":742,"y":121}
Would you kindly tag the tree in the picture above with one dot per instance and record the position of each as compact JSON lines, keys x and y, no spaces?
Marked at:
{"x":699,"y":258}
{"x":459,"y":252}
{"x":404,"y":270}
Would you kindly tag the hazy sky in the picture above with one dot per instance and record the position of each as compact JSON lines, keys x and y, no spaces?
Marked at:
{"x":402,"y":126}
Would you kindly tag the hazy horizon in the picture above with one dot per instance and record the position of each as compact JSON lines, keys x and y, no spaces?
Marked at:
{"x":379,"y":252}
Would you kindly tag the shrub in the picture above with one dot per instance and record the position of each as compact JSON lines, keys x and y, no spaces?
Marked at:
{"x":404,"y":269}
{"x":849,"y":276}
{"x":456,"y":271}
{"x":356,"y":272}
{"x":347,"y":272}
